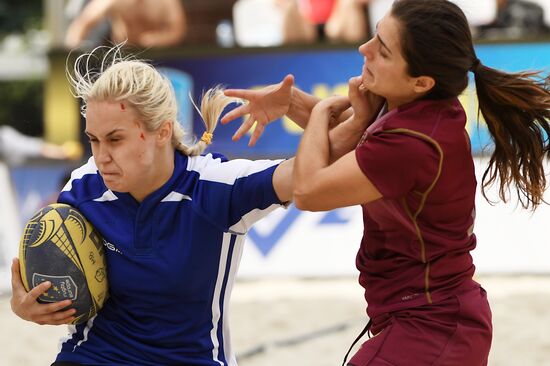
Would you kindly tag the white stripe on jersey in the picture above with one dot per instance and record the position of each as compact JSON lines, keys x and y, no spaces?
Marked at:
{"x":213,"y":170}
{"x":88,"y":168}
{"x":176,"y":197}
{"x":107,"y":196}
{"x":89,"y":325}
{"x":235,"y":260}
{"x":246,"y":222}
{"x":72,"y":330}
{"x":216,"y":299}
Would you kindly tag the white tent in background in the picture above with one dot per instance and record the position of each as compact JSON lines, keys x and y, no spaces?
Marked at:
{"x":257,"y":23}
{"x":477,"y":12}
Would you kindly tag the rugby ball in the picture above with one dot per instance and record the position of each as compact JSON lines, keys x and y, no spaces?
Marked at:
{"x":61,"y":246}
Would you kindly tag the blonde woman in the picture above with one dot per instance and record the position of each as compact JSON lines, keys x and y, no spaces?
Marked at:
{"x":173,"y":221}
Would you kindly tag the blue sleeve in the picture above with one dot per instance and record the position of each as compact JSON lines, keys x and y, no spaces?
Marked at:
{"x":235,"y":194}
{"x":85,"y":184}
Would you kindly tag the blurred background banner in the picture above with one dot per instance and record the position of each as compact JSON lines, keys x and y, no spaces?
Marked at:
{"x":322,"y":73}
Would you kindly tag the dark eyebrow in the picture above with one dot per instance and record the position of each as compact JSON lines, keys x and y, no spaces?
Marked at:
{"x":381,"y":41}
{"x":109,"y":134}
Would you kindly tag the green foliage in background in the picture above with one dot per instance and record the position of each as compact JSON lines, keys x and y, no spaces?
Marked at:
{"x":21,"y":105}
{"x":18,"y":16}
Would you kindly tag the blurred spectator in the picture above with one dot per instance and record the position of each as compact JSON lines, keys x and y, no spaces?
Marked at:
{"x":15,"y":148}
{"x":315,"y":20}
{"x":142,"y":23}
{"x":515,"y":19}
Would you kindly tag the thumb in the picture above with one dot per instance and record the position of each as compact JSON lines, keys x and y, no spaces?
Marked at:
{"x":288,"y":81}
{"x":355,"y":86}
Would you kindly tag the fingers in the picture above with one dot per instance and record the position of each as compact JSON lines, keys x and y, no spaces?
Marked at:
{"x":50,"y":321}
{"x":239,"y":93}
{"x":356,"y":88}
{"x":38,"y":290}
{"x":59,"y":306}
{"x":235,"y":113}
{"x":16,"y":282}
{"x":256,"y":134}
{"x":55,"y":318}
{"x":244,"y":128}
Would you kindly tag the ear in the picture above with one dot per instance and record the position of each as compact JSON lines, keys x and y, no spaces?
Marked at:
{"x":423,"y":84}
{"x":164,"y":132}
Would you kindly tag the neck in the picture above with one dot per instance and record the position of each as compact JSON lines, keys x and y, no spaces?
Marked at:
{"x":160,"y":174}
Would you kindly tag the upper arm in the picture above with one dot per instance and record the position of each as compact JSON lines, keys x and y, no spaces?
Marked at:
{"x":282,"y":180}
{"x":387,"y":165}
{"x":235,"y":194}
{"x":340,"y":184}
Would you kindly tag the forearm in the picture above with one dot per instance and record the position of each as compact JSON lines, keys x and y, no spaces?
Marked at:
{"x":313,"y":154}
{"x":90,"y":16}
{"x":344,"y":138}
{"x":301,"y":105}
{"x":76,"y":33}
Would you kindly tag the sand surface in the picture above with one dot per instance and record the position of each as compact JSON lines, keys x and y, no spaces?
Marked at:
{"x":313,"y":322}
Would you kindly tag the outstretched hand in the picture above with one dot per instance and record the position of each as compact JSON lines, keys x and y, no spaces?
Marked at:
{"x":25,"y":305}
{"x":263,"y":106}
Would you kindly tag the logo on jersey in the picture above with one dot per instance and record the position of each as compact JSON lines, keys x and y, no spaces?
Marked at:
{"x":111,"y":247}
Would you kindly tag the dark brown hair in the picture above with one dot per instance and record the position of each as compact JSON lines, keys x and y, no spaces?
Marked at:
{"x":436,"y":42}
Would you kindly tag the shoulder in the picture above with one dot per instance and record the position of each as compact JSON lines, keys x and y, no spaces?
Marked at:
{"x":399,"y":146}
{"x":85,"y":184}
{"x":428,"y":116}
{"x":216,"y":168}
{"x":421,"y":124}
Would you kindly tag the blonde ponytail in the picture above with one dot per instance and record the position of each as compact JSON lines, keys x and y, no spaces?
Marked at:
{"x":213,"y":102}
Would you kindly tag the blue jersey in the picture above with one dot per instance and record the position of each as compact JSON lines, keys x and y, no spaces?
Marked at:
{"x":171,"y":261}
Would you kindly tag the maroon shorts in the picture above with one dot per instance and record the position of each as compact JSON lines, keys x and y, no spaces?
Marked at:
{"x":454,"y":332}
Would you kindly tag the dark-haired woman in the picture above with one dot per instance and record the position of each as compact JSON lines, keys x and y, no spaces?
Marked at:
{"x":413,"y":173}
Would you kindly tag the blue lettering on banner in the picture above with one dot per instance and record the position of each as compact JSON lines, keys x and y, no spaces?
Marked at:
{"x":266,"y":242}
{"x":334,"y":217}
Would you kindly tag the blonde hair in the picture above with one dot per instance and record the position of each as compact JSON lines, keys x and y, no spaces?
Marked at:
{"x":139,"y":84}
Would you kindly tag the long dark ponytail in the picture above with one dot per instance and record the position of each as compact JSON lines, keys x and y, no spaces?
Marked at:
{"x":436,"y":41}
{"x":516,"y":109}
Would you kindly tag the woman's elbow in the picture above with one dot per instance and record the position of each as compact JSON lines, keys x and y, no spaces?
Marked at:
{"x":305,"y":201}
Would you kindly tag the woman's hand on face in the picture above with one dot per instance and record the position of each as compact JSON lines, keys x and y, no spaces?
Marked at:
{"x":365,"y":103}
{"x":25,"y":305}
{"x":264,"y":106}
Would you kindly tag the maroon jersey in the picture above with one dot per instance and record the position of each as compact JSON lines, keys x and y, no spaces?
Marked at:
{"x":417,"y":238}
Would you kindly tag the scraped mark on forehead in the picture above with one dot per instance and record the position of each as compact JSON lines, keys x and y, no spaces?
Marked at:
{"x":122,"y":107}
